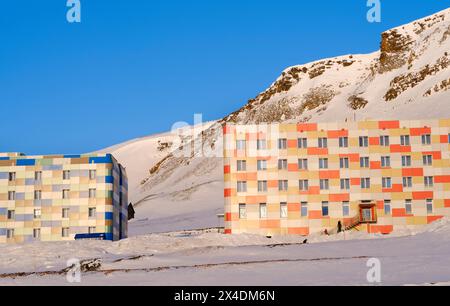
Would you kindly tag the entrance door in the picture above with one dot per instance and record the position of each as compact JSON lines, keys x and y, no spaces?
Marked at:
{"x":367,"y":215}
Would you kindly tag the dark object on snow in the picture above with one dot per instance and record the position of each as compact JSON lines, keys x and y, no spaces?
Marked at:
{"x":339,"y":227}
{"x":131,"y":212}
{"x":306,"y":241}
{"x":326,"y":232}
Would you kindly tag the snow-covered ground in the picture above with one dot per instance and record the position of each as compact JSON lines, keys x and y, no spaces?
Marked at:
{"x":209,"y":258}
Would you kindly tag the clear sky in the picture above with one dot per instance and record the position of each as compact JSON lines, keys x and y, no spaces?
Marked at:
{"x":134,"y":67}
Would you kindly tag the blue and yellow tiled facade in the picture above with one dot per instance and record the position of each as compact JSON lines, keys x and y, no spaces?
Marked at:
{"x":62,"y":197}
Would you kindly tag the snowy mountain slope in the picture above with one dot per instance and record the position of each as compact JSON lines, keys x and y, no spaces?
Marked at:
{"x":408,"y":78}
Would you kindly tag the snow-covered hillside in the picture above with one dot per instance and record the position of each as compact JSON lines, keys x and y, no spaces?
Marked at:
{"x":408,"y":78}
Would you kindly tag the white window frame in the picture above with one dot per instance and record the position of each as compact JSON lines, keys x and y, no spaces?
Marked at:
{"x":242,"y":211}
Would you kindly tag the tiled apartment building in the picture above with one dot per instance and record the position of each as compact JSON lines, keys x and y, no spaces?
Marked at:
{"x":62,"y":197}
{"x":374,"y":176}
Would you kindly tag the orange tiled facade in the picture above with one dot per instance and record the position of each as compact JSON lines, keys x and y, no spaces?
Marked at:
{"x":299,"y":179}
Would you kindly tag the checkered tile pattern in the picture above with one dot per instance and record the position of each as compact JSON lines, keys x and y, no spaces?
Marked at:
{"x":54,"y":198}
{"x":375,"y":176}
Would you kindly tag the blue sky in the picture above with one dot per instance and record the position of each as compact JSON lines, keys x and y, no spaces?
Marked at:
{"x":133,"y":68}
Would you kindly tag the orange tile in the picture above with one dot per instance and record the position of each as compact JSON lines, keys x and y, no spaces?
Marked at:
{"x":432,"y":219}
{"x":247,"y":176}
{"x":306,"y":127}
{"x":375,"y":165}
{"x":317,"y":151}
{"x":420,"y":131}
{"x":437,"y":155}
{"x":227,"y":231}
{"x":226,"y":169}
{"x":329,"y":174}
{"x":355,"y":181}
{"x":337,"y":134}
{"x":412,"y":172}
{"x":315,"y":214}
{"x":293,"y":167}
{"x":399,"y":212}
{"x":385,"y":125}
{"x":400,"y":149}
{"x":314,"y":190}
{"x":381,"y":229}
{"x":272,"y":184}
{"x":302,"y":231}
{"x":447,"y":203}
{"x":374,"y":141}
{"x":292,"y":144}
{"x":423,"y":195}
{"x":293,"y":207}
{"x":444,"y":138}
{"x":339,"y":197}
{"x":227,"y":193}
{"x":255,"y":199}
{"x":442,"y":179}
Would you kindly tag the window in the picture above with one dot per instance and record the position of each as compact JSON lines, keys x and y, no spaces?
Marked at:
{"x":92,"y":212}
{"x":365,"y":183}
{"x":384,"y":141}
{"x":428,"y":160}
{"x":408,"y":207}
{"x":92,"y":193}
{"x":242,"y":211}
{"x":405,"y":140}
{"x":12,"y":176}
{"x":11,"y":195}
{"x":11,"y":214}
{"x":364,"y":162}
{"x":65,"y":232}
{"x":345,"y":209}
{"x":344,"y":163}
{"x":343,"y":142}
{"x":36,"y":233}
{"x":407,"y":182}
{"x":406,"y":161}
{"x":429,"y":206}
{"x":302,"y":143}
{"x":363,"y":141}
{"x":303,"y":164}
{"x":92,"y":230}
{"x":37,"y":213}
{"x":429,"y":181}
{"x":241,"y":165}
{"x":345,"y":184}
{"x":66,"y":194}
{"x":386,"y":182}
{"x":387,"y":207}
{"x":323,"y":163}
{"x":304,"y":209}
{"x":323,"y":143}
{"x":38,"y":195}
{"x":385,"y":161}
{"x":426,"y":139}
{"x":448,"y":138}
{"x":66,"y":175}
{"x":261,"y":144}
{"x":38,"y":176}
{"x":262,"y":211}
{"x":283,"y":185}
{"x":10,"y":233}
{"x":324,"y":184}
{"x":282,"y":164}
{"x":262,"y":165}
{"x":304,"y":185}
{"x":241,"y":145}
{"x":282,"y":144}
{"x":325,"y":210}
{"x":92,"y":174}
{"x":283,"y":210}
{"x":241,"y":186}
{"x":65,"y":213}
{"x":262,"y":186}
